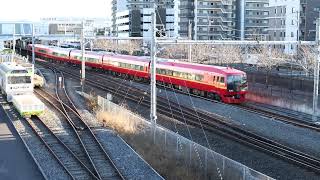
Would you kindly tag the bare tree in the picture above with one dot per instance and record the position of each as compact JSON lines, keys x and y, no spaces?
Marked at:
{"x":268,"y":58}
{"x":201,"y":53}
{"x":226,"y":55}
{"x":307,"y":59}
{"x":178,"y":51}
{"x":105,"y":44}
{"x":130,"y":46}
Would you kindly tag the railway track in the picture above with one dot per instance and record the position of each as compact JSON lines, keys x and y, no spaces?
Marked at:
{"x":284,"y":117}
{"x":102,"y":164}
{"x":305,"y":123}
{"x":209,"y":122}
{"x":66,"y":158}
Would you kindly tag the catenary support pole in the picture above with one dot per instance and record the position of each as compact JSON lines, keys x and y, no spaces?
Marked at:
{"x":33,"y":55}
{"x":195,"y":19}
{"x":83,"y":68}
{"x":190,"y":45}
{"x":153,"y":113}
{"x":13,"y":42}
{"x":316,"y":74}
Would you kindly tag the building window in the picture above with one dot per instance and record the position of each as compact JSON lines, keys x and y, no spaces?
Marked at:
{"x":292,"y":34}
{"x":275,"y":34}
{"x":275,"y":11}
{"x":292,"y":22}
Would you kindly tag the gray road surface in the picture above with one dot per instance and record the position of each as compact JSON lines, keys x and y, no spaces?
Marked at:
{"x":15,"y":161}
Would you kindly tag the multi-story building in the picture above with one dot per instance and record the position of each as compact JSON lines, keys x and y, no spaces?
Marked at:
{"x":284,"y":20}
{"x":215,"y":20}
{"x":71,"y":26}
{"x":133,"y":18}
{"x":252,"y":19}
{"x":310,"y":12}
{"x":16,"y":27}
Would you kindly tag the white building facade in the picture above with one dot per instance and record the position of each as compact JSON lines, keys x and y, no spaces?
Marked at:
{"x":284,"y":20}
{"x":134,"y":19}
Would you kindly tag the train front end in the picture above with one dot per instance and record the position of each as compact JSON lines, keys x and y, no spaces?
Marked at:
{"x":237,"y":87}
{"x":15,"y":80}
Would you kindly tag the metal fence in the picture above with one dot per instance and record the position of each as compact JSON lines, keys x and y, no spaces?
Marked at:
{"x":206,"y":163}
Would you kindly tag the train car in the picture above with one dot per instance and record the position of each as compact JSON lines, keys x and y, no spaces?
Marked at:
{"x":220,"y":83}
{"x":28,"y":105}
{"x":15,"y":79}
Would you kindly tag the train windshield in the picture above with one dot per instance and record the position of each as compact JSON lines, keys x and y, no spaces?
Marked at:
{"x":236,"y":82}
{"x":237,"y":79}
{"x":19,"y":79}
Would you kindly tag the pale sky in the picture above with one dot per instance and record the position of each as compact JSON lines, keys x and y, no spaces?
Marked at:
{"x":35,"y":9}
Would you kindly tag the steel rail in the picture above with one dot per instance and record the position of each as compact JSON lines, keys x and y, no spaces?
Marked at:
{"x":76,"y":169}
{"x":224,"y":126}
{"x":87,"y":133}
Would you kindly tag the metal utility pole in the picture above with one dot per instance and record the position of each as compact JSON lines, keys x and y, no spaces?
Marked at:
{"x":153,"y":113}
{"x":195,"y":19}
{"x":83,"y":66}
{"x":316,"y":74}
{"x":13,"y":42}
{"x":190,"y":45}
{"x":33,"y":55}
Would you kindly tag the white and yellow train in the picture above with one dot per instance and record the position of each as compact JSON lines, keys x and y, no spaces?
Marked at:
{"x":17,"y":83}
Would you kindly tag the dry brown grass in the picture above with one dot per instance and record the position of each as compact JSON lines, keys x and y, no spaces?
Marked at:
{"x":120,"y":120}
{"x":161,"y":157}
{"x":92,"y":102}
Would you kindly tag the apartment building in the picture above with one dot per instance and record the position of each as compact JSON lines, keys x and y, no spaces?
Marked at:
{"x":284,"y":20}
{"x":133,"y":18}
{"x":252,"y":19}
{"x":310,"y":12}
{"x":216,"y":20}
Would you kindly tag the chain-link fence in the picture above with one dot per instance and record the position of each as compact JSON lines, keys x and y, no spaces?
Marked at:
{"x":176,"y":153}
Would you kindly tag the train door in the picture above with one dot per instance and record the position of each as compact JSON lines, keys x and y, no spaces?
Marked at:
{"x":102,"y":61}
{"x":69,"y":57}
{"x":148,"y":69}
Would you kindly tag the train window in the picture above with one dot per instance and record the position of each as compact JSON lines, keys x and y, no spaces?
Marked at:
{"x":163,"y":71}
{"x":169,"y":73}
{"x":214,"y":78}
{"x":184,"y":75}
{"x":158,"y":71}
{"x":42,"y":51}
{"x":18,"y":71}
{"x":222,"y":79}
{"x":176,"y":73}
{"x":19,"y":79}
{"x":141,"y":68}
{"x":198,"y":77}
{"x":137,"y":67}
{"x":191,"y":76}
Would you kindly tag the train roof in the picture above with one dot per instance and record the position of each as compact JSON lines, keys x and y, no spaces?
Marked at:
{"x":172,"y":64}
{"x":176,"y":64}
{"x":10,"y":66}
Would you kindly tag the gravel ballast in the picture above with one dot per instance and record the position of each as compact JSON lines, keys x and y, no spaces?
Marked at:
{"x":131,"y":165}
{"x":278,"y":131}
{"x":50,"y":167}
{"x":281,"y":132}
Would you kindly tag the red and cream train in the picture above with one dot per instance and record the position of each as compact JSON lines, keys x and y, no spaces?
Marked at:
{"x":221,"y":83}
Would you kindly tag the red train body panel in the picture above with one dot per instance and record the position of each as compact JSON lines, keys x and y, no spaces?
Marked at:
{"x":226,"y":84}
